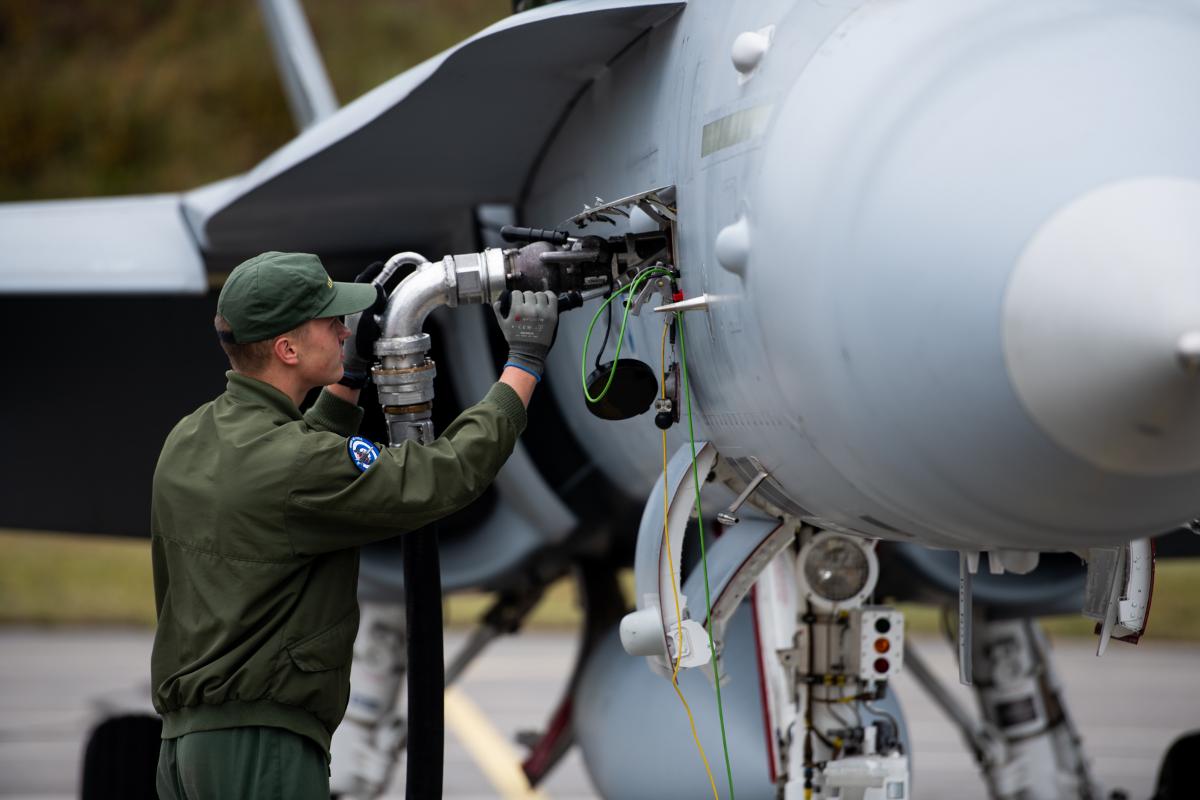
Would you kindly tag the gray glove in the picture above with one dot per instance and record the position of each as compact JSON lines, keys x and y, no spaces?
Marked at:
{"x":358,"y":351}
{"x":356,"y":367}
{"x":529,"y":326}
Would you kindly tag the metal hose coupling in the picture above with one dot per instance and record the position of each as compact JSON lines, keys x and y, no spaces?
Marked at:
{"x":405,"y":372}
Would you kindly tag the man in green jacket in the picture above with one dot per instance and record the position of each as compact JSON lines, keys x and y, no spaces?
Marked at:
{"x":258,"y":512}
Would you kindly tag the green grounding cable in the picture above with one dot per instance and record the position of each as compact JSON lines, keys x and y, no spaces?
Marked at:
{"x":703,"y":556}
{"x":632,"y":289}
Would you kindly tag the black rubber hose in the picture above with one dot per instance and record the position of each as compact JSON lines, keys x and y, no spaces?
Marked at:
{"x":426,"y":664}
{"x":515,"y":233}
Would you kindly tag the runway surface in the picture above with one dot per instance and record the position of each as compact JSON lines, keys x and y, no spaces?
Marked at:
{"x":1129,"y":706}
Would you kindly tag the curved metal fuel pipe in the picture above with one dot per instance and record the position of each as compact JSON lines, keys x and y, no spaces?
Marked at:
{"x":404,"y":379}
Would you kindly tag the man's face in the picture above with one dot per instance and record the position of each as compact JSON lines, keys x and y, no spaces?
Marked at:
{"x":320,"y":349}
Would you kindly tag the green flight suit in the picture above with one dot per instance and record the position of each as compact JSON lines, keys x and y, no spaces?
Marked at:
{"x":256,"y":763}
{"x":256,"y":519}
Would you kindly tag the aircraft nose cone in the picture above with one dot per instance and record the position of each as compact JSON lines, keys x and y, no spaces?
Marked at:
{"x":1101,"y":327}
{"x":980,"y":233}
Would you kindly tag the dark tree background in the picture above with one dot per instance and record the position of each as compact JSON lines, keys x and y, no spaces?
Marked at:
{"x":103,"y":98}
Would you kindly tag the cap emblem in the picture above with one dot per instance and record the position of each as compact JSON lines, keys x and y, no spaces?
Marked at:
{"x":329,"y":282}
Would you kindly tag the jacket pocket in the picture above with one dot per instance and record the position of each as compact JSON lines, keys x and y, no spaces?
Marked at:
{"x":328,"y":649}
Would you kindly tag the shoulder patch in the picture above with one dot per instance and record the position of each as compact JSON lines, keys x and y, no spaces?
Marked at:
{"x":362,"y":452}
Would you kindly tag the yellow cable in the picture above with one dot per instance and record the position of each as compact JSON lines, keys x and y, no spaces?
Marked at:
{"x":674,"y":587}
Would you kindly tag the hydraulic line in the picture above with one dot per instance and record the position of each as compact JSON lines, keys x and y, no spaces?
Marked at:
{"x":671,"y":569}
{"x":703,"y":556}
{"x":809,"y":693}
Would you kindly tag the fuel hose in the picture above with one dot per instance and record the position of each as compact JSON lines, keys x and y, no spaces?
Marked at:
{"x":426,"y":665}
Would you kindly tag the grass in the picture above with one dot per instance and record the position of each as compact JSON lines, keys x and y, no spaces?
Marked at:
{"x":58,"y":579}
{"x":559,"y":608}
{"x":63,"y":579}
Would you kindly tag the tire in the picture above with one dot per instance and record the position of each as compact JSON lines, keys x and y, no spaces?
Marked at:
{"x":1177,"y":775}
{"x":121,"y":759}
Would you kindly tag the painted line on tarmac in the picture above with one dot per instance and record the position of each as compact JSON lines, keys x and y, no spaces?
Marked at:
{"x":497,"y":759}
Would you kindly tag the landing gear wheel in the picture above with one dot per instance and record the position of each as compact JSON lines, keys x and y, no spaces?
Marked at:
{"x":121,"y":759}
{"x":1177,"y":775}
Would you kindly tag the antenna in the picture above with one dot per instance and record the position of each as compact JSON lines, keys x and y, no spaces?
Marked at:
{"x":309,"y":93}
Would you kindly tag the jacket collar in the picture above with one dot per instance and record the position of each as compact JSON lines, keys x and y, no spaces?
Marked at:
{"x":252,"y":391}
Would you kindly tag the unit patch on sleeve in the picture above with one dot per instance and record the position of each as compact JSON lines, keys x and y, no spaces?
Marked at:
{"x":362,"y":452}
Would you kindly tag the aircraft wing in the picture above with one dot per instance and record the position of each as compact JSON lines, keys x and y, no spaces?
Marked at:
{"x":396,"y":167}
{"x":127,"y":245}
{"x":392,"y":168}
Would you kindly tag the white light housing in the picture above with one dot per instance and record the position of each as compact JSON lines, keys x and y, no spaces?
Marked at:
{"x":837,"y":570}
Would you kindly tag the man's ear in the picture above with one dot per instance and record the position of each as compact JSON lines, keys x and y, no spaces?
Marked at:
{"x":284,"y":348}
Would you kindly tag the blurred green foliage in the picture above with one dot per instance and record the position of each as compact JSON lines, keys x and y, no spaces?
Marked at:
{"x":61,"y":579}
{"x":57,"y":579}
{"x":103,"y":98}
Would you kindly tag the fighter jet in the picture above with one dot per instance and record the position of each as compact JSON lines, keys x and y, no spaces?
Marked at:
{"x":888,"y":275}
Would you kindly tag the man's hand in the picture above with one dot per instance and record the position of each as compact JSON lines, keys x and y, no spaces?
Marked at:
{"x":529,"y":327}
{"x":358,"y":351}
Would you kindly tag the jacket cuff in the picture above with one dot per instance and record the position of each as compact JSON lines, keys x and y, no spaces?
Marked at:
{"x":334,"y":414}
{"x":503,"y":395}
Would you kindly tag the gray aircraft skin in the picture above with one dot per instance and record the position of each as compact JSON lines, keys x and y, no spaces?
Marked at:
{"x":949,"y":252}
{"x":960,"y":237}
{"x":969,"y":249}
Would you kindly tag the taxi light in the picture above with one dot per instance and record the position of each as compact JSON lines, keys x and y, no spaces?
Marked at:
{"x":836,"y":568}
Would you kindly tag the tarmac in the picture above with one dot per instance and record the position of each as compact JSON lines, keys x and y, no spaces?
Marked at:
{"x":1128,"y":706}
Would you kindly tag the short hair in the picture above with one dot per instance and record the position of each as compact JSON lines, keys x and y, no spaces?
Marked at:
{"x":248,"y":358}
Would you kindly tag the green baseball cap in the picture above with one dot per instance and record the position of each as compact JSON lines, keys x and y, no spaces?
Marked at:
{"x":273,"y":293}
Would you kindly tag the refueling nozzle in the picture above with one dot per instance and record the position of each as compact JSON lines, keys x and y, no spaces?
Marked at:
{"x":576,"y":269}
{"x":515,"y":233}
{"x":567,"y":301}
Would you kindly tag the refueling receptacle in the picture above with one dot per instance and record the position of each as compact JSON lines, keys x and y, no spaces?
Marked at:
{"x":632,"y":267}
